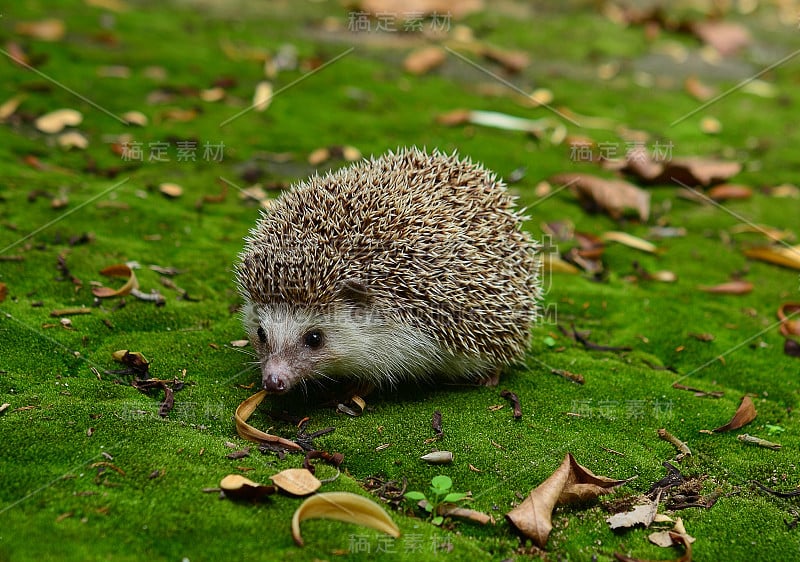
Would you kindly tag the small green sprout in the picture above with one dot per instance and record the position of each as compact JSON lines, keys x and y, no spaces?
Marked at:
{"x":774,"y":429}
{"x":440,"y":494}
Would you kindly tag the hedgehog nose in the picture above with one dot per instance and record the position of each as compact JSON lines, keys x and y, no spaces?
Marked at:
{"x":274,"y":383}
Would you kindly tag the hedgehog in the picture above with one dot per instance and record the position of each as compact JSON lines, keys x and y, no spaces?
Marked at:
{"x":412,"y":266}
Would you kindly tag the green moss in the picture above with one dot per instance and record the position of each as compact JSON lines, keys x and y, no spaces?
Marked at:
{"x":56,"y":504}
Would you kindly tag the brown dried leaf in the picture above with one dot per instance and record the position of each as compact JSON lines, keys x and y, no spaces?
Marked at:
{"x":135,"y":118}
{"x":133,"y":359}
{"x":698,"y":90}
{"x":117,"y":270}
{"x":664,"y":538}
{"x":171,"y":190}
{"x":677,"y":538}
{"x":639,"y":515}
{"x":778,"y":255}
{"x":724,"y":36}
{"x":243,"y":413}
{"x":45,"y":30}
{"x":421,"y":8}
{"x":238,"y":487}
{"x":727,"y":191}
{"x":631,"y":241}
{"x":570,"y":483}
{"x":72,"y":139}
{"x":612,"y":196}
{"x":737,"y":287}
{"x":55,"y":121}
{"x":512,"y":61}
{"x":744,"y":415}
{"x":697,"y":171}
{"x":343,"y":506}
{"x":422,"y":61}
{"x":788,"y":314}
{"x":3,"y":291}
{"x":9,"y":106}
{"x":296,"y":481}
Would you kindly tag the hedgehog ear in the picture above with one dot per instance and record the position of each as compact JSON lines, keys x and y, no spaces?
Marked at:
{"x":354,"y":291}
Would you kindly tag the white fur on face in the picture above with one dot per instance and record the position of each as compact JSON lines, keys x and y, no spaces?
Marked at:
{"x":359,"y":345}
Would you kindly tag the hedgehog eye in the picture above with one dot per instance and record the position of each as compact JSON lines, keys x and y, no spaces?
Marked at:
{"x":313,"y":339}
{"x":262,"y":335}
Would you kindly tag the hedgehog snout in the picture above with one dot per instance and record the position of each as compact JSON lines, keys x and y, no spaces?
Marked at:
{"x":276,"y":375}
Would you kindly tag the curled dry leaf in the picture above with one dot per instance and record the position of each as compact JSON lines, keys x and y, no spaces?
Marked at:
{"x":171,"y":190}
{"x":789,"y":315}
{"x":3,"y":291}
{"x":778,"y":255}
{"x":677,"y":539}
{"x":664,"y":538}
{"x":117,"y":270}
{"x":135,"y":118}
{"x":738,"y":287}
{"x":465,"y":513}
{"x":639,"y":515}
{"x":343,"y":506}
{"x":135,"y":360}
{"x":631,"y":241}
{"x":72,"y":139}
{"x":236,"y":486}
{"x":424,"y":60}
{"x":262,"y":96}
{"x":243,"y":413}
{"x":296,"y":481}
{"x":570,"y":483}
{"x":744,"y":415}
{"x":612,"y":196}
{"x":55,"y":121}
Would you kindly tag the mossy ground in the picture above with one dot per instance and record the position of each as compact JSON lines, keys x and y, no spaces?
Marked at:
{"x":53,"y":503}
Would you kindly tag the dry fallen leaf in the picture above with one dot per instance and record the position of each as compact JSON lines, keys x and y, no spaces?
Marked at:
{"x":737,"y":287}
{"x":698,"y":90}
{"x":72,"y":139}
{"x":55,"y":121}
{"x":612,"y":196}
{"x":744,"y":415}
{"x":664,"y":539}
{"x":262,"y":96}
{"x":171,"y":190}
{"x":570,"y":483}
{"x":422,"y":61}
{"x":343,"y":506}
{"x":727,"y":191}
{"x":639,"y":515}
{"x":45,"y":30}
{"x":238,"y":487}
{"x":677,"y":539}
{"x":243,"y":413}
{"x":135,"y":118}
{"x":3,"y":291}
{"x":421,"y":8}
{"x":296,"y":481}
{"x":117,"y":270}
{"x":787,"y":256}
{"x":725,"y":37}
{"x":631,"y":241}
{"x":789,"y":315}
{"x":9,"y":106}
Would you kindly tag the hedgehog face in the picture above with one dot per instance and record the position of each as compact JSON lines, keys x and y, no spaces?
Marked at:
{"x":292,"y":345}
